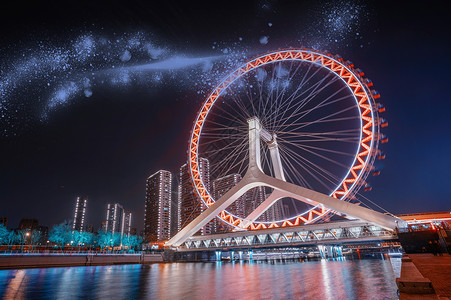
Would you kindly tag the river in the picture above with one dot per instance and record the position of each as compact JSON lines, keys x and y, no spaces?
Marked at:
{"x":333,"y":279}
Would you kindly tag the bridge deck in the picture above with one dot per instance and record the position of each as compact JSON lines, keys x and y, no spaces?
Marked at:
{"x":326,"y":233}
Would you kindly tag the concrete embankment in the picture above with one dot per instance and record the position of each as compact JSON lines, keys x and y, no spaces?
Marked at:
{"x":69,"y":260}
{"x":424,"y":276}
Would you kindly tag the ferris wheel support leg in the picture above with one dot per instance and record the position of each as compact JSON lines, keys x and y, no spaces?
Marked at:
{"x":211,"y":212}
{"x":276,"y":194}
{"x":313,"y":198}
{"x":272,"y":198}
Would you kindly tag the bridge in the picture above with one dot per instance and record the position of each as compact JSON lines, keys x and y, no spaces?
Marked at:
{"x":334,"y":233}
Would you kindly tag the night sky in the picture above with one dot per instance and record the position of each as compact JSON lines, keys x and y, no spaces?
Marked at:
{"x":87,"y":110}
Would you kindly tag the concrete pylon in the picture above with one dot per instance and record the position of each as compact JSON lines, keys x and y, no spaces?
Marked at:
{"x":255,"y":177}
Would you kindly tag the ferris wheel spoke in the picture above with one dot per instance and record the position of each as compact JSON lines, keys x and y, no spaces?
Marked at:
{"x":314,"y":91}
{"x":280,"y":95}
{"x":224,"y":127}
{"x":219,"y":139}
{"x":325,"y":103}
{"x":224,"y":136}
{"x":330,"y":150}
{"x":319,"y":139}
{"x":241,"y":114}
{"x":214,"y":151}
{"x":239,"y":102}
{"x":305,"y":80}
{"x":269,"y":97}
{"x":322,"y":121}
{"x":226,"y":163}
{"x":251,"y":100}
{"x":316,"y":154}
{"x":299,"y":114}
{"x":323,"y":118}
{"x":344,"y":132}
{"x":310,"y":172}
{"x":294,"y":173}
{"x":233,"y":118}
{"x":292,"y":97}
{"x":315,"y":168}
{"x":238,"y":125}
{"x":233,"y":164}
{"x":234,"y":144}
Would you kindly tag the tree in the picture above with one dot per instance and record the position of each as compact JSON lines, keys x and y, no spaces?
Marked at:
{"x":116,"y":239}
{"x":61,"y":234}
{"x":22,"y":237}
{"x":132,"y":241}
{"x":81,"y":238}
{"x":4,"y":232}
{"x":34,"y":236}
{"x":11,"y":238}
{"x":137,"y":242}
{"x":104,"y":239}
{"x":88,"y":238}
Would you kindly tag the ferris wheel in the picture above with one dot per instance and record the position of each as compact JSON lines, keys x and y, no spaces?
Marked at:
{"x":320,"y":112}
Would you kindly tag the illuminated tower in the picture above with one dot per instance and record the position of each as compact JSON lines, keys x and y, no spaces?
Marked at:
{"x":190,"y":204}
{"x":127,"y":224}
{"x":114,"y":218}
{"x":157,"y":215}
{"x":79,"y":214}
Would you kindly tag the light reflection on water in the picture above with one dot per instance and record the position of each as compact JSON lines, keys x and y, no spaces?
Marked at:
{"x":339,"y":279}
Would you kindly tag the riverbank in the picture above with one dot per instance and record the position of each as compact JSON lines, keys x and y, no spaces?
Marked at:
{"x":20,"y":261}
{"x":425,"y":276}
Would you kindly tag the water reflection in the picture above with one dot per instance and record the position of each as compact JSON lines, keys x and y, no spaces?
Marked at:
{"x":337,"y":279}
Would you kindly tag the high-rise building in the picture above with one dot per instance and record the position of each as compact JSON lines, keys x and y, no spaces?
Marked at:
{"x":255,"y":197}
{"x":190,"y":203}
{"x":223,"y":185}
{"x":179,"y":203}
{"x":127,"y":224}
{"x":103,"y":226}
{"x":80,"y":213}
{"x":115,"y":218}
{"x":157,"y":215}
{"x":175,"y":210}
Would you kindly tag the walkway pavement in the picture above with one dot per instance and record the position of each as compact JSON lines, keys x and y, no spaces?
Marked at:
{"x":437,"y":269}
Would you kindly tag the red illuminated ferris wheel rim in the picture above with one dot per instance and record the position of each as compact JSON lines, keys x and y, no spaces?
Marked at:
{"x":367,"y":144}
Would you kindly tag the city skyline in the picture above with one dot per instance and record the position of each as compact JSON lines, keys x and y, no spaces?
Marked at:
{"x":121,"y":135}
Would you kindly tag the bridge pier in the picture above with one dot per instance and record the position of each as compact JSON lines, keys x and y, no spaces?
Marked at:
{"x":330,"y":251}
